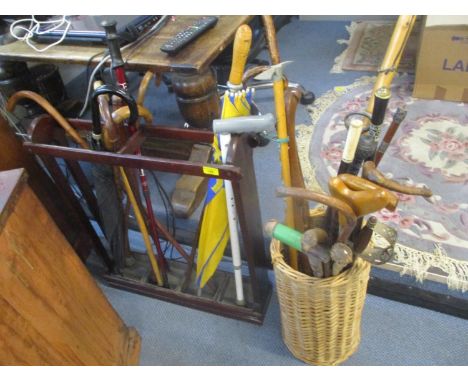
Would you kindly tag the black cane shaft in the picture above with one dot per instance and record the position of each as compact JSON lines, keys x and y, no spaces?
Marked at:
{"x":365,"y":234}
{"x":113,"y":43}
{"x":365,"y":150}
{"x":381,"y":98}
{"x":367,"y":145}
{"x":345,"y":168}
{"x":110,"y":26}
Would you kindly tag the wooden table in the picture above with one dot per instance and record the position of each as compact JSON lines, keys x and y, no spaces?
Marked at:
{"x":193,"y":59}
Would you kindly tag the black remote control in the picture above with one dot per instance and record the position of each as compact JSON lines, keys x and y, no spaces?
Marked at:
{"x":181,"y":39}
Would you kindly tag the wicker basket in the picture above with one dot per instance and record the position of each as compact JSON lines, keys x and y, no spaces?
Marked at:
{"x":320,"y":318}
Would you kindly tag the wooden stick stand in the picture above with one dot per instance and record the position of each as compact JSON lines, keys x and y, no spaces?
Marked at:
{"x":218,"y":296}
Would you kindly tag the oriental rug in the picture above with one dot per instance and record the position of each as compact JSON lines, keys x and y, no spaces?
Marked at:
{"x":367,"y":45}
{"x":430,"y":148}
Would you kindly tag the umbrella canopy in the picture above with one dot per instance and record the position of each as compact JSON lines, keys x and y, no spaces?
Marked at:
{"x":214,"y":234}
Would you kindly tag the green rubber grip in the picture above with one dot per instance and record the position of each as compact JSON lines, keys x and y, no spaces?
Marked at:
{"x":288,"y":236}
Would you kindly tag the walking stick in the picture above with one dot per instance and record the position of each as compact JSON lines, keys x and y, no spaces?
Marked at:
{"x":301,"y":216}
{"x":77,"y":139}
{"x":97,"y":137}
{"x":393,"y":55}
{"x":346,"y":166}
{"x":380,"y":95}
{"x":368,"y":143}
{"x":398,"y":118}
{"x":370,"y":172}
{"x":339,"y":251}
{"x":349,"y":151}
{"x":280,"y":108}
{"x":118,"y":67}
{"x":270,"y":34}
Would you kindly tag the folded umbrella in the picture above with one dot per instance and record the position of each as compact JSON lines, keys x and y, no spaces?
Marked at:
{"x":219,"y":220}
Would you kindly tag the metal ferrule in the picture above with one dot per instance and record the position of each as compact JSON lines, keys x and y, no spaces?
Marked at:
{"x":383,"y":146}
{"x":96,"y":137}
{"x":234,"y":88}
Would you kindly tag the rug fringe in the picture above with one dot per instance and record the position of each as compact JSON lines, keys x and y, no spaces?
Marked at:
{"x":414,"y":262}
{"x":337,"y":67}
{"x":417,"y":264}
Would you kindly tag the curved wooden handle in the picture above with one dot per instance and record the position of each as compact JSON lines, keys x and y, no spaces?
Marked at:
{"x":123,"y":113}
{"x":252,"y":72}
{"x":241,"y":49}
{"x":42,"y":102}
{"x":270,"y":34}
{"x":330,"y":201}
{"x":302,"y":193}
{"x":372,"y":174}
{"x":110,"y":134}
{"x":362,"y":202}
{"x":356,"y":183}
{"x":149,"y":75}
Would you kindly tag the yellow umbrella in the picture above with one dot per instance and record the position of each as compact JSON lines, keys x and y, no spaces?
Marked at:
{"x":214,"y":232}
{"x":218,"y":224}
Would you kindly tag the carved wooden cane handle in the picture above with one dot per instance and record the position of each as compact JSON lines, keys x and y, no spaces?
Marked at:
{"x":362,"y":202}
{"x":370,"y":172}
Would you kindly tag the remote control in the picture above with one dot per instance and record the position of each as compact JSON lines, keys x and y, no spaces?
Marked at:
{"x":181,"y":39}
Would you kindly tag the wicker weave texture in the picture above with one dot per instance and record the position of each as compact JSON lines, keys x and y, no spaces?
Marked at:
{"x":320,"y":318}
